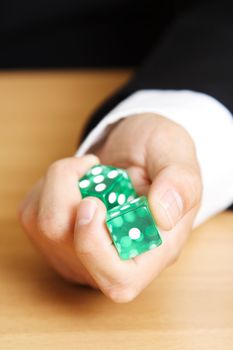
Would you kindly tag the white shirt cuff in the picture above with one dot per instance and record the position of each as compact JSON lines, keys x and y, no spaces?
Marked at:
{"x":208,"y":122}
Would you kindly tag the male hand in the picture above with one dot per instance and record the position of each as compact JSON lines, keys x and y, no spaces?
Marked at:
{"x":160,"y":158}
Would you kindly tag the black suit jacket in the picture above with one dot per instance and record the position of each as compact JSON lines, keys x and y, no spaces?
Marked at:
{"x":175,"y":44}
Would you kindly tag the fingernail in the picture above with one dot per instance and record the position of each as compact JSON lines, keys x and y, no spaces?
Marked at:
{"x":172,"y":204}
{"x":86,"y":212}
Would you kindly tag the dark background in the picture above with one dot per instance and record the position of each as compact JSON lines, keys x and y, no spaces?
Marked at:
{"x":81,"y":33}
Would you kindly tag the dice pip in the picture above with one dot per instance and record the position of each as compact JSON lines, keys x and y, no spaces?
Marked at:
{"x":112,"y":185}
{"x":132,"y":228}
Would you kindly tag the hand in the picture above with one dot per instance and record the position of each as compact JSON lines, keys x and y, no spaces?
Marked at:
{"x":160,"y":157}
{"x":48,"y":215}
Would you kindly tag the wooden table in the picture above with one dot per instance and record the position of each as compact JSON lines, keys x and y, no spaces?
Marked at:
{"x":190,"y":306}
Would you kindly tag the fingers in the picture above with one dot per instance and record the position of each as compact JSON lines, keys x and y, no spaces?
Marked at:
{"x":46,"y":215}
{"x":60,"y":196}
{"x":176,"y":182}
{"x":120,"y":280}
{"x":153,"y":262}
{"x":94,"y":248}
{"x":175,"y":191}
{"x":168,"y":160}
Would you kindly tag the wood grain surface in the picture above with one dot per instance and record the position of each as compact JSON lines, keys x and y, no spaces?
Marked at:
{"x":190,"y":306}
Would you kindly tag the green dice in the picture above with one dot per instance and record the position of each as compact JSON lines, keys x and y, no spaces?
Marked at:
{"x":133,"y":228}
{"x":112,"y":185}
{"x":129,"y":219}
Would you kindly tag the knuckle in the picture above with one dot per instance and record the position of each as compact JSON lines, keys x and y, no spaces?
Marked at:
{"x":58,"y":166}
{"x":26,"y":218}
{"x":121,"y":292}
{"x":63,"y":167}
{"x":48,"y":225}
{"x":169,"y":132}
{"x":42,"y":224}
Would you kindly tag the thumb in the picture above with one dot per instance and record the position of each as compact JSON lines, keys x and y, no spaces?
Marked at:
{"x":175,"y":190}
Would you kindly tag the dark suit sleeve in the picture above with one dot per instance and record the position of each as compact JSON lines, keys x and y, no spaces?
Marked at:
{"x":195,"y":53}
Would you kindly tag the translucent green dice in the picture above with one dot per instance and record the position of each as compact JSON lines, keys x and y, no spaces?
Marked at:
{"x":112,"y":185}
{"x":133,"y":228}
{"x":129,"y":219}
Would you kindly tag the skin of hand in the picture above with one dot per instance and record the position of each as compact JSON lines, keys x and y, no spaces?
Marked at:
{"x":71,"y":233}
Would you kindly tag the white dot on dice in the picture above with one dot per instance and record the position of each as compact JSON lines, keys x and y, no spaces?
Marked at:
{"x":125,"y":207}
{"x":114,"y":214}
{"x":121,"y":199}
{"x":134,"y":233}
{"x":112,"y":197}
{"x":99,"y":178}
{"x":135,"y":200}
{"x":84,"y":183}
{"x":96,"y":171}
{"x":100,"y":187}
{"x":112,"y":174}
{"x":130,"y":198}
